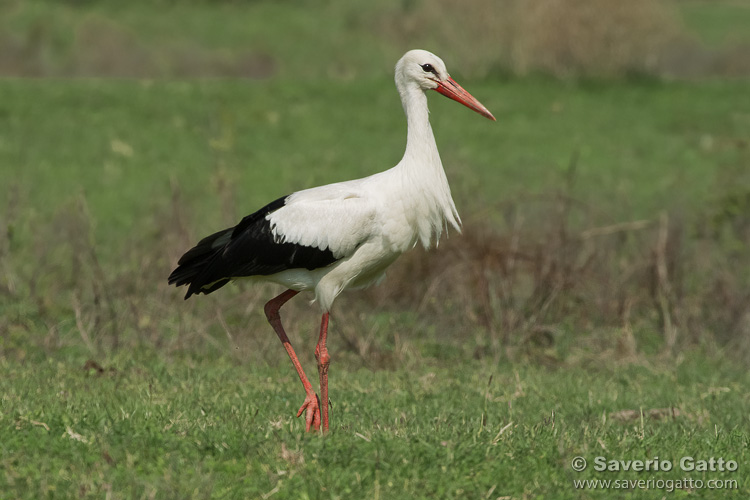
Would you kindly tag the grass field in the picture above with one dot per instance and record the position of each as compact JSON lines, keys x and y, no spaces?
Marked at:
{"x":209,"y":426}
{"x":595,"y":306}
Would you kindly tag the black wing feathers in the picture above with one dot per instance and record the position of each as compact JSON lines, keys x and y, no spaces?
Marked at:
{"x":248,"y":249}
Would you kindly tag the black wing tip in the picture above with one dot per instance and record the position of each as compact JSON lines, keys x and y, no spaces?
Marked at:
{"x":174,"y":279}
{"x":194,"y":290}
{"x":180,"y":277}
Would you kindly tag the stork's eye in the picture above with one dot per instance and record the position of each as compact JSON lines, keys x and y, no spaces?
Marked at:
{"x":428,"y":68}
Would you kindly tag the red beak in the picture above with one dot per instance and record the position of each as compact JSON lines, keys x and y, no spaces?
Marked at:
{"x":449,"y":88}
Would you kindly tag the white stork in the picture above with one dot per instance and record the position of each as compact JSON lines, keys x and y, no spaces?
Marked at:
{"x":343,"y":235}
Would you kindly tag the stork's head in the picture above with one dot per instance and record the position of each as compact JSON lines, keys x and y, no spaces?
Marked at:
{"x":426,"y":71}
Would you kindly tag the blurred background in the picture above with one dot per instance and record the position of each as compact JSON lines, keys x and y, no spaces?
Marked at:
{"x":607,"y":212}
{"x":572,"y":39}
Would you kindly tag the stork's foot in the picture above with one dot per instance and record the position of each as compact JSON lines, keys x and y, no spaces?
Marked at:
{"x":312,"y":408}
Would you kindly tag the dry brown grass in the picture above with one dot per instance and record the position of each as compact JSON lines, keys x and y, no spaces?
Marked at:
{"x":540,"y":273}
{"x":103,"y":48}
{"x":97,"y":46}
{"x":591,"y":38}
{"x":562,"y":38}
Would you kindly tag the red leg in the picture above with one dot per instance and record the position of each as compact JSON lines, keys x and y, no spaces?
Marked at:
{"x":321,"y":354}
{"x":311,"y":404}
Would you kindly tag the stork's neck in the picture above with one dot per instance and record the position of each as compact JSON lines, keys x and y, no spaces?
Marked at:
{"x":422,"y":174}
{"x":421,"y":149}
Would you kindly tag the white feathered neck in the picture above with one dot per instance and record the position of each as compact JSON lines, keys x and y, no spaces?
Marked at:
{"x":422,"y":171}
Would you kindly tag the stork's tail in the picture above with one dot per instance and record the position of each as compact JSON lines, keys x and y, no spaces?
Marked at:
{"x":193,"y":267}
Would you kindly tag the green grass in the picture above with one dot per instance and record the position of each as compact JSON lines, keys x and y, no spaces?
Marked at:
{"x":717,"y":23}
{"x":198,"y":427}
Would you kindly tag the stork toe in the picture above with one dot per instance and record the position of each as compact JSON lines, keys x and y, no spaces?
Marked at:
{"x":312,"y":408}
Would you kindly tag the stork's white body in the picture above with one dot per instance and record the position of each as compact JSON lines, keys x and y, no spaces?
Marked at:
{"x":368,"y":223}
